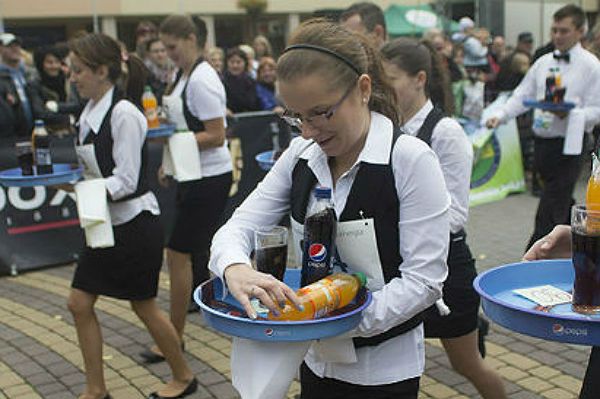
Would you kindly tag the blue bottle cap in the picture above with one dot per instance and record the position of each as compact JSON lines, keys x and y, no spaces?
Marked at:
{"x":322,"y":192}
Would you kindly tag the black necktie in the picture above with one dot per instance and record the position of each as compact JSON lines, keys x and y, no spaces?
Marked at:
{"x":562,"y":56}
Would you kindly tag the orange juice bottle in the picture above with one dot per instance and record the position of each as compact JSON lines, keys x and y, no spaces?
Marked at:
{"x":592,"y":196}
{"x":150,"y":108}
{"x":323,"y":296}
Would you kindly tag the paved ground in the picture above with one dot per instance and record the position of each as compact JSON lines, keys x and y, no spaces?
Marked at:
{"x":39,"y":356}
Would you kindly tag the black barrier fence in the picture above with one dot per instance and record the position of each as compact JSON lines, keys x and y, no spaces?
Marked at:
{"x":40,"y":226}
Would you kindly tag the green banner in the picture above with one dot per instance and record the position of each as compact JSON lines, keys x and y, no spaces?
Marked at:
{"x":497,"y":162}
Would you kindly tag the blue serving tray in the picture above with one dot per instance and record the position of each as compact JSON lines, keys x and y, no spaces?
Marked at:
{"x":519,"y":314}
{"x":265,"y":160}
{"x":546,"y":106}
{"x":63,"y":174}
{"x":276,"y":331}
{"x":165,"y":130}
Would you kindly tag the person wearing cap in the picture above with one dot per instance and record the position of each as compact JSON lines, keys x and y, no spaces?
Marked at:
{"x":525,"y":43}
{"x":366,"y":18}
{"x":15,"y":82}
{"x":557,"y":160}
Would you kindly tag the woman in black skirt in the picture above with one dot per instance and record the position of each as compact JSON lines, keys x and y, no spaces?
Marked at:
{"x":415,"y":72}
{"x":112,"y":132}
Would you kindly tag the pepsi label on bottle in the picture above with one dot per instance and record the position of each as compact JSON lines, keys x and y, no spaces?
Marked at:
{"x":319,"y":237}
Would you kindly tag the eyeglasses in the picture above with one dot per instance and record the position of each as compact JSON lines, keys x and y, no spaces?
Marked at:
{"x":318,"y":118}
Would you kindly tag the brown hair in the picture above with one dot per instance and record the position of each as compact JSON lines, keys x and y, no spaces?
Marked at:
{"x":573,"y":11}
{"x":413,"y":56}
{"x":97,"y":49}
{"x":354,"y":47}
{"x":182,"y":26}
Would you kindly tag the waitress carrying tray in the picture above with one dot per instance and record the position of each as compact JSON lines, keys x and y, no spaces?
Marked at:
{"x":164,"y":130}
{"x":548,"y":106}
{"x":515,"y":312}
{"x":62,"y":174}
{"x":226,"y":315}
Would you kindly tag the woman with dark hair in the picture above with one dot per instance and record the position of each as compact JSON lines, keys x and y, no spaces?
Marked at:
{"x":112,"y":132}
{"x":334,"y":89}
{"x":196,"y":103}
{"x":240,"y":87}
{"x":421,"y":84}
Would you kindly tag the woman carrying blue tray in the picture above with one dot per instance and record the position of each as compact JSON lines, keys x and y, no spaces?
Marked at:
{"x":423,"y":95}
{"x":110,"y":141}
{"x":334,"y":89}
{"x":557,"y":245}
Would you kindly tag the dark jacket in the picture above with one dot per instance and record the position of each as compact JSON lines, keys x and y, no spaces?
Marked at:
{"x":241,"y":93}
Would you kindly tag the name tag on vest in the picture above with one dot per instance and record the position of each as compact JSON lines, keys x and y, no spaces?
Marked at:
{"x":356,"y":243}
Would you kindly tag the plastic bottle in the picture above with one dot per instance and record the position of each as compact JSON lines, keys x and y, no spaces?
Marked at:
{"x":550,"y":85}
{"x":592,"y":195}
{"x":41,"y":149}
{"x":323,"y":296}
{"x":150,"y":105}
{"x":319,"y":236}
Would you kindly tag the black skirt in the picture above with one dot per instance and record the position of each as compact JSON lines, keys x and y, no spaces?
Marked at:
{"x":199,"y":208}
{"x":458,"y":293}
{"x":130,"y":269}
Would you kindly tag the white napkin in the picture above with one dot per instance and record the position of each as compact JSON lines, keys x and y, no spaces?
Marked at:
{"x":575,"y":130}
{"x":181,"y":157}
{"x":94,"y":217}
{"x":265,"y":370}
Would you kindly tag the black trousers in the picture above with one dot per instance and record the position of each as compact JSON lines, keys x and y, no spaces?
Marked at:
{"x":559,"y":174}
{"x":314,"y":387}
{"x":591,"y":382}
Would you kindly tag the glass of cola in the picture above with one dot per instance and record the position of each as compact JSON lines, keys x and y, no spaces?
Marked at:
{"x":585,"y":227}
{"x":270,"y":247}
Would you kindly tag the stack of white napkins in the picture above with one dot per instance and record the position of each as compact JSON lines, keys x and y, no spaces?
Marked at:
{"x":94,"y":216}
{"x":181,"y":158}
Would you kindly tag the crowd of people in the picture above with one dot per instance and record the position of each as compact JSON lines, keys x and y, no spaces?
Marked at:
{"x":368,"y":109}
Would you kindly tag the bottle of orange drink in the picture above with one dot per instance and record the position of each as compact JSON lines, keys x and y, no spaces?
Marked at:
{"x":323,"y":296}
{"x":150,"y":105}
{"x":592,"y":195}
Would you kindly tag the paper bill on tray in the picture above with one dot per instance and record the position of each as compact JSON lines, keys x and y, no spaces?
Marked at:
{"x":545,"y":295}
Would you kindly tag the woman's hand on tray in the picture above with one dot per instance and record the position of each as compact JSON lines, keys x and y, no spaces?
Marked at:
{"x":557,"y":244}
{"x":245,"y":283}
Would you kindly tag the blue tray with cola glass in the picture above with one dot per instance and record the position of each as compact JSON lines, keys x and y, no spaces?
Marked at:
{"x":549,"y":106}
{"x":164,"y":130}
{"x":62,"y":174}
{"x":515,"y":312}
{"x":227,"y":316}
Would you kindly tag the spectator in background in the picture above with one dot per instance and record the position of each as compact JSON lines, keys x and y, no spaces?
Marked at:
{"x":475,"y":44}
{"x":252,"y":64}
{"x":240,"y":87}
{"x":444,"y":48}
{"x":496,"y":53}
{"x":145,"y":31}
{"x":16,"y":80}
{"x":162,"y":69}
{"x":262,"y":47}
{"x":366,"y":18}
{"x":73,"y":105}
{"x":525,"y":44}
{"x":51,"y":87}
{"x":265,"y":85}
{"x":216,"y":58}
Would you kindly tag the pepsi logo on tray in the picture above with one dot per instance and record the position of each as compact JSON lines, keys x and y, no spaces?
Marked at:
{"x":557,"y":328}
{"x":317,"y":252}
{"x":269,"y":332}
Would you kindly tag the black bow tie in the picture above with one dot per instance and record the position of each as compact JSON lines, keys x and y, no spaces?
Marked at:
{"x":564,"y":56}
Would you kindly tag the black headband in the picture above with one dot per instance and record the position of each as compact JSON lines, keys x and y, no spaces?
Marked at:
{"x":325,"y":51}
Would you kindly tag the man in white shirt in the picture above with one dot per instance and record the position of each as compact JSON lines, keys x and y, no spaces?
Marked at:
{"x":557,"y":148}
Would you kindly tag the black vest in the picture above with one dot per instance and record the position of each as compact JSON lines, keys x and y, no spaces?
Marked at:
{"x":373,"y":195}
{"x":103,"y":149}
{"x":194,"y":124}
{"x":432,"y":119}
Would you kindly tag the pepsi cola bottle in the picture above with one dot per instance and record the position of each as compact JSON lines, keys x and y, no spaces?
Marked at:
{"x":319,"y":237}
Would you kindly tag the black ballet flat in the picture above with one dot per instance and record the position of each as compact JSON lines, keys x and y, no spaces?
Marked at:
{"x":190,"y":389}
{"x":151,"y":357}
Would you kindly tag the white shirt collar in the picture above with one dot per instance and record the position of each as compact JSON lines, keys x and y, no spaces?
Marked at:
{"x":94,"y":112}
{"x":413,"y":125}
{"x":376,"y":149}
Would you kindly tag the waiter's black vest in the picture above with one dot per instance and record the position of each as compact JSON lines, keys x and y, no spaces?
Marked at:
{"x":373,"y":195}
{"x":194,"y":124}
{"x":103,"y":149}
{"x":432,"y":119}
